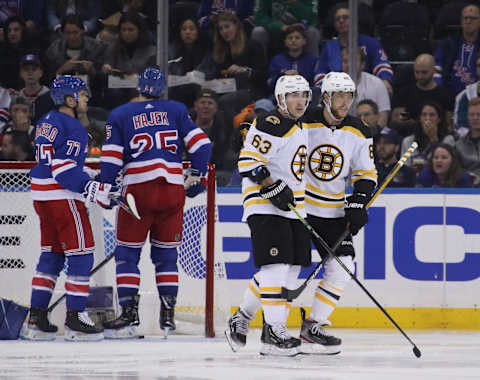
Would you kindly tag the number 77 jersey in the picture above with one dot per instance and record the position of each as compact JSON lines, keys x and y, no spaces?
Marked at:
{"x":147,"y":139}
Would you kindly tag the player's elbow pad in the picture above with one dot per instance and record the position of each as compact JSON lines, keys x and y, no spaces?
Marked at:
{"x":257,"y":175}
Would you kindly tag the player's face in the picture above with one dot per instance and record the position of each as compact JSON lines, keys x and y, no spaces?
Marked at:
{"x":341,"y":20}
{"x":441,"y":160}
{"x":297,"y":103}
{"x":227,"y":30}
{"x":188,"y":32}
{"x":295,"y":41}
{"x":385,"y":149}
{"x":129,"y":32}
{"x":341,"y":102}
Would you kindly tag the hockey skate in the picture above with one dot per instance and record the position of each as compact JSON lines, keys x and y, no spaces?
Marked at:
{"x":316,"y":340}
{"x":237,"y":330}
{"x":125,"y":326}
{"x":38,"y":326}
{"x":167,"y":314}
{"x":277,"y":341}
{"x":79,"y":327}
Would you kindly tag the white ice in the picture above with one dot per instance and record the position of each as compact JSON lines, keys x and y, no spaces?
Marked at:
{"x":367,"y":354}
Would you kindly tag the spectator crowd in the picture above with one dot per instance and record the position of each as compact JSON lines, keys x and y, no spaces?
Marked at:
{"x":424,"y":89}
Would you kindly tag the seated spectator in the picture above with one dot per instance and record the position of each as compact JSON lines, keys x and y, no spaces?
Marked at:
{"x":88,"y":10}
{"x":236,"y":57}
{"x":29,"y":10}
{"x":460,"y":115}
{"x":294,"y":60}
{"x":76,"y":54}
{"x":367,"y":110}
{"x":146,"y":9}
{"x":430,"y":130}
{"x":387,"y":146}
{"x":210,"y":9}
{"x":218,"y":128}
{"x":454,"y":57}
{"x":131,"y":53}
{"x":5,"y":101}
{"x":443,"y":170}
{"x":376,"y":61}
{"x":31,"y":72}
{"x":15,"y":46}
{"x":186,"y":53}
{"x":21,"y":117}
{"x":272,"y":17}
{"x":368,"y":87}
{"x":16,"y":146}
{"x":468,"y":146}
{"x":408,"y":99}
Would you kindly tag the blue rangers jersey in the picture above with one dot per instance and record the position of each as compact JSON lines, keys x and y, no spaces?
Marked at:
{"x":146,"y":139}
{"x":61,"y":144}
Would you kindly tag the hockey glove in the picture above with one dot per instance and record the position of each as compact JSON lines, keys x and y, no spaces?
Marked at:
{"x":99,"y":192}
{"x":194,"y":184}
{"x":279,"y":194}
{"x":355,"y":212}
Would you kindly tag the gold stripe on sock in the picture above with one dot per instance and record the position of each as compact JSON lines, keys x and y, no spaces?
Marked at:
{"x":325,"y":300}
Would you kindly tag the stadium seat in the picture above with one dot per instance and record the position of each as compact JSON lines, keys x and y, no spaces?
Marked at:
{"x":448,"y":19}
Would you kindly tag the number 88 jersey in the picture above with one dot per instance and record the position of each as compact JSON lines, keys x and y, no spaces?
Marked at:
{"x":280,"y":144}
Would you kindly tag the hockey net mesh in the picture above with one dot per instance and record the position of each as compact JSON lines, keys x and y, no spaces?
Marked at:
{"x":20,"y":249}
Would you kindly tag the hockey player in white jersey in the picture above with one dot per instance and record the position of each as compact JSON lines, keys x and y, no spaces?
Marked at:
{"x":272,"y":164}
{"x":340,"y":146}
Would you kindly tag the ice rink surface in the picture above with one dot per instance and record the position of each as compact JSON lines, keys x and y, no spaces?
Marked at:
{"x":367,"y":354}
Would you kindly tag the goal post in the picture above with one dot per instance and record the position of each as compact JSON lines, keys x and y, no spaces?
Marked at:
{"x":201,"y":271}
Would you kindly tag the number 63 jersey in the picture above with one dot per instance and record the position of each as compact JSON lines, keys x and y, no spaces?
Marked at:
{"x":335,"y":153}
{"x":280,"y":144}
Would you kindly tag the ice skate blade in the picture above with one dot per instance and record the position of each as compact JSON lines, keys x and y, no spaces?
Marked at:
{"x":77,"y":336}
{"x":166,"y":332}
{"x":271,"y":350}
{"x":233,"y":345}
{"x":128,"y":332}
{"x":319,"y":349}
{"x":28,"y":333}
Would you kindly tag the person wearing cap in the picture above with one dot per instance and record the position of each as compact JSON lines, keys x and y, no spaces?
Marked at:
{"x":214,"y":123}
{"x":387,"y":147}
{"x":31,"y":72}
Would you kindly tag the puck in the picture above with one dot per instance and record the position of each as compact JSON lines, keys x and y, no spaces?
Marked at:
{"x":141,"y":337}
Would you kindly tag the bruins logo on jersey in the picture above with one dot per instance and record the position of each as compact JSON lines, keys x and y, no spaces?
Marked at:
{"x":273,"y":119}
{"x":298,"y":162}
{"x":326,"y":162}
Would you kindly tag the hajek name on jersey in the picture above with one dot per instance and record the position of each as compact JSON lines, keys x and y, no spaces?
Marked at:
{"x":150,"y":119}
{"x":46,"y":131}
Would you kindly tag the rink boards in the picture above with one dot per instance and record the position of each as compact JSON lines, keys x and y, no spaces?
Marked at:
{"x":419,"y":256}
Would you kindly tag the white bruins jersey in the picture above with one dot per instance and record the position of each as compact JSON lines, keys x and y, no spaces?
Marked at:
{"x":334,"y":154}
{"x":281,"y":145}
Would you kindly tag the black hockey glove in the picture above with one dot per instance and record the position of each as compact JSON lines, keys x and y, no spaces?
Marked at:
{"x":279,"y":194}
{"x":355,"y":212}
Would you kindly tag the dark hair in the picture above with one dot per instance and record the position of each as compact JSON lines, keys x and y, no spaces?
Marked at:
{"x":143,"y":36}
{"x":369,"y":102}
{"x":21,"y":139}
{"x":442,"y":129}
{"x":72,"y":20}
{"x":454,"y":172}
{"x":295,"y":28}
{"x":11,"y":20}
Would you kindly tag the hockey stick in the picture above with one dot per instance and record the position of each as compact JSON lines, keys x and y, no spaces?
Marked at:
{"x":92,"y":272}
{"x":291,"y":294}
{"x":128,"y":204}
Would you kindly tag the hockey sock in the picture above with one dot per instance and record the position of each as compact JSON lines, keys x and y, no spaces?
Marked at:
{"x":251,"y":298}
{"x":77,"y":283}
{"x":43,"y":282}
{"x":330,"y":289}
{"x":272,"y":277}
{"x":166,"y":271}
{"x":128,"y":274}
{"x":293,"y":273}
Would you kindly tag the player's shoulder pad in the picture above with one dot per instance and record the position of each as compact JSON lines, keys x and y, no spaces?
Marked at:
{"x":358,"y":126}
{"x":274,"y":124}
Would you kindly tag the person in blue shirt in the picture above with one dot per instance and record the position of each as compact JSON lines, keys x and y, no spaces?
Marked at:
{"x":443,"y":170}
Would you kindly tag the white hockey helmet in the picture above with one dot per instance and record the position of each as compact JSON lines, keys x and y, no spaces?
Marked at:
{"x":336,"y":82}
{"x":288,"y":84}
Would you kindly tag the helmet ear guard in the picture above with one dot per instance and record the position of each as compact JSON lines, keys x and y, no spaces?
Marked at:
{"x":288,"y":84}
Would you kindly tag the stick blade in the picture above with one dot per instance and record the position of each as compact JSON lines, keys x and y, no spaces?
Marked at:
{"x":416,"y":352}
{"x":129,"y":198}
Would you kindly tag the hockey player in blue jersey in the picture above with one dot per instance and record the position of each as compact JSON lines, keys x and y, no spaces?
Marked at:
{"x":59,"y":189}
{"x":145,"y":140}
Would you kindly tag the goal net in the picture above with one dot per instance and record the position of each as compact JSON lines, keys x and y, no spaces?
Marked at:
{"x":201,"y":305}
